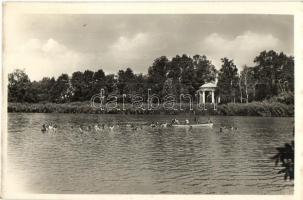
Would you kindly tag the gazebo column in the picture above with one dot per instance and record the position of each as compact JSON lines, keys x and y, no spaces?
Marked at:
{"x":203,"y":97}
{"x":212,"y":97}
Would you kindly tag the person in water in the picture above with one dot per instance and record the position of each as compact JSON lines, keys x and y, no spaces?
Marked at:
{"x":175,"y":121}
{"x":49,"y":127}
{"x":111,"y":128}
{"x":80,"y":129}
{"x":43,"y":128}
{"x":196,"y":120}
{"x":96,"y":127}
{"x":55,"y":127}
{"x":153,"y":124}
{"x":134,"y":127}
{"x":164,"y":125}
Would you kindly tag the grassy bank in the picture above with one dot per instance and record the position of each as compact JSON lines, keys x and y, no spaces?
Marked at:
{"x":265,"y":109}
{"x":273,"y":109}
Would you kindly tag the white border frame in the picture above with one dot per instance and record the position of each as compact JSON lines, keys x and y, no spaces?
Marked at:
{"x":291,"y":8}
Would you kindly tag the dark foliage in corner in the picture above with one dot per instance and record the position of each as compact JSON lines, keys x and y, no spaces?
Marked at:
{"x":285,"y":156}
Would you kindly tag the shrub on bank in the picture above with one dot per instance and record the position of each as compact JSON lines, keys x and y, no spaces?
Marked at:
{"x":266,"y":109}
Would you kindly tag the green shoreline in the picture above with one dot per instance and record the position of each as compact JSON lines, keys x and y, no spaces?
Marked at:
{"x":264,"y":109}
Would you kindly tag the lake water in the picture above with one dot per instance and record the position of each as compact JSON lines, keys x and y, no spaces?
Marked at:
{"x":146,"y":161}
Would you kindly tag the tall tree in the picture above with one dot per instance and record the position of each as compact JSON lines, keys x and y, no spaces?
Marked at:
{"x":99,"y":81}
{"x":205,"y":71}
{"x":88,"y":84}
{"x":187,"y":75}
{"x":111,"y":84}
{"x":275,"y":71}
{"x":40,"y":90}
{"x":227,"y":85}
{"x":248,"y":83}
{"x":126,"y":81}
{"x":18,"y":86}
{"x":62,"y":90}
{"x":140,"y":86}
{"x":157,"y":75}
{"x":77,"y":81}
{"x":46,"y":85}
{"x":286,"y":78}
{"x":169,"y":87}
{"x":83,"y":85}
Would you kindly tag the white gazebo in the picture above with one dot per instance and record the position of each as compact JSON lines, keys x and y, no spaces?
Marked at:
{"x":209,"y":89}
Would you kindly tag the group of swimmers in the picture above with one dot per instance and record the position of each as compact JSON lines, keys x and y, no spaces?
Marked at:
{"x":232,"y":128}
{"x":104,"y":127}
{"x":164,"y":125}
{"x":134,"y":127}
{"x":49,"y":127}
{"x":111,"y":127}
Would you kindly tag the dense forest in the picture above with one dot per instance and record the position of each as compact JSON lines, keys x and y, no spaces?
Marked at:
{"x":271,"y":79}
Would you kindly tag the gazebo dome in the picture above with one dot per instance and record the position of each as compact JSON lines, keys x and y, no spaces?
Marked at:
{"x":208,"y":85}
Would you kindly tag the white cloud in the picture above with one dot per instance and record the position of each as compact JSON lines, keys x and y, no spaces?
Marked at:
{"x":52,"y":46}
{"x":242,"y":48}
{"x":128,"y":50}
{"x":51,"y":58}
{"x":125,"y":44}
{"x":44,"y":58}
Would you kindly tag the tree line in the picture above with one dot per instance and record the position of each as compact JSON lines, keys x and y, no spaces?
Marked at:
{"x":272,"y":76}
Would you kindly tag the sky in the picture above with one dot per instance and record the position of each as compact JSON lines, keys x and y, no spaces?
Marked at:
{"x":52,"y":44}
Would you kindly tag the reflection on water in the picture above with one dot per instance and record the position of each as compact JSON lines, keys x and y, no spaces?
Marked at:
{"x":149,"y":160}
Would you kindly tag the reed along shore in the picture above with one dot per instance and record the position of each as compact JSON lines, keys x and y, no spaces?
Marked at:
{"x":265,"y":109}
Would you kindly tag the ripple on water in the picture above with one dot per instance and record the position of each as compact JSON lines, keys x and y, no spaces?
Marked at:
{"x":147,"y":161}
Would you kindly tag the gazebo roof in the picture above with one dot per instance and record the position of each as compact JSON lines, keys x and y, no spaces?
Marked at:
{"x":208,"y":85}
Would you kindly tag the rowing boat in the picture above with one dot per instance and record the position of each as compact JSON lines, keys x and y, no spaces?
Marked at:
{"x":209,"y":125}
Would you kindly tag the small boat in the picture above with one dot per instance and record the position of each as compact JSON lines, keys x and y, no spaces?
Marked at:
{"x":208,"y":125}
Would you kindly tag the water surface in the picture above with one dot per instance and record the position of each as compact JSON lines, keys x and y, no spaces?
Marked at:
{"x":149,"y":160}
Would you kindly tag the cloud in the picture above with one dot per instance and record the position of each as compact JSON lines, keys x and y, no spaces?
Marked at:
{"x":113,"y":42}
{"x":242,"y":49}
{"x":44,"y":58}
{"x":128,"y":51}
{"x":49,"y":57}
